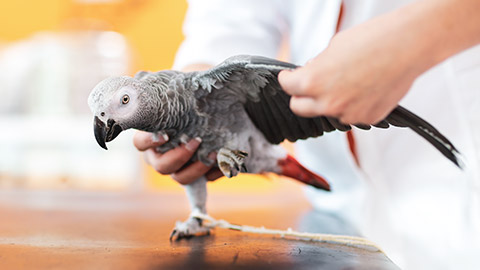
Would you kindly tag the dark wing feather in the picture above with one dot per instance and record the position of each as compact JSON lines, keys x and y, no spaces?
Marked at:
{"x":264,"y":101}
{"x":402,"y":117}
{"x":282,"y":123}
{"x":253,"y":80}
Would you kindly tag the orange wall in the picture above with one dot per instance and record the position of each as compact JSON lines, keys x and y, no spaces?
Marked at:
{"x":153,"y":27}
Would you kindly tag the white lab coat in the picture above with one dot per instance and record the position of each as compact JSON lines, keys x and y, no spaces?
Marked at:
{"x":422,"y":210}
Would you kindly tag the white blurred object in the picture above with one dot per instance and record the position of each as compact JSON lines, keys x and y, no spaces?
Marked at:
{"x":48,"y":142}
{"x":60,"y":151}
{"x":53,"y":73}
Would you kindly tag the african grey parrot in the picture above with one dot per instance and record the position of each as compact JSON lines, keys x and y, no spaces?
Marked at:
{"x":238,"y":109}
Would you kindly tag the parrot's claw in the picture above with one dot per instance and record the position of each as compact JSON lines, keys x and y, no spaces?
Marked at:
{"x":188,"y":229}
{"x":231,"y":162}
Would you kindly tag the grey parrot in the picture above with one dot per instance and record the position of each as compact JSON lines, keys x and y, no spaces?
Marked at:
{"x":238,"y":109}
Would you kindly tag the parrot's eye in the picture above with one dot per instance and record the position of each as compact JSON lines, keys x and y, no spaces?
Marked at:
{"x":125,"y":99}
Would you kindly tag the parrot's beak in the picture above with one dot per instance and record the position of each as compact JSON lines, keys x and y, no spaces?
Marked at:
{"x":100,"y":131}
{"x":105,"y":133}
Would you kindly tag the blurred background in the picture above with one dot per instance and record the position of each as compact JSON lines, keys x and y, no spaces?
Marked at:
{"x":52,"y":53}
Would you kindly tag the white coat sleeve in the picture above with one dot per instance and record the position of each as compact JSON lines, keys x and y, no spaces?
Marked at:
{"x":217,"y":29}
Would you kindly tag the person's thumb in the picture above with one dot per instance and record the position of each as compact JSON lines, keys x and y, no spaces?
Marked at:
{"x":290,"y":81}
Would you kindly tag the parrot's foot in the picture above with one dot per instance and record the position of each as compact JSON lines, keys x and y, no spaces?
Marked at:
{"x":231,"y":162}
{"x":188,"y":229}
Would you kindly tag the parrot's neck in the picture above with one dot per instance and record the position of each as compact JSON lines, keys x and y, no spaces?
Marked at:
{"x":175,"y":110}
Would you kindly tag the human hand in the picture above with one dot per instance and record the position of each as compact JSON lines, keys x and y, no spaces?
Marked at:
{"x":172,"y":162}
{"x":367,"y":69}
{"x":359,"y":78}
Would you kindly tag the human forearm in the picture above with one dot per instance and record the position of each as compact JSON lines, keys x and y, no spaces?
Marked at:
{"x":437,"y":29}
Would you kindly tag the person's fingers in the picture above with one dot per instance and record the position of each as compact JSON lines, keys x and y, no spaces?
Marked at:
{"x":171,"y":161}
{"x":189,"y":174}
{"x":292,"y":82}
{"x":194,"y":171}
{"x":213,"y":174}
{"x":150,"y":155}
{"x":144,"y":140}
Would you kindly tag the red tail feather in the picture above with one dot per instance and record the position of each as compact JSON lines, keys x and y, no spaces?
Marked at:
{"x":292,"y":168}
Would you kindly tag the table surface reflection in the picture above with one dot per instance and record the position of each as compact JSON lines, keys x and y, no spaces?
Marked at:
{"x":116,"y":230}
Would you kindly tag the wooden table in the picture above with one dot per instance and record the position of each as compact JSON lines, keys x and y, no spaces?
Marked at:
{"x":127,"y":230}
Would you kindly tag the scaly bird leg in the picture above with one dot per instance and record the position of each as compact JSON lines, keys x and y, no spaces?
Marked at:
{"x":197,"y":196}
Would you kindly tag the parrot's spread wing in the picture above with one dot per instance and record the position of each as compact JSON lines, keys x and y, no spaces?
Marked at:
{"x":253,"y":81}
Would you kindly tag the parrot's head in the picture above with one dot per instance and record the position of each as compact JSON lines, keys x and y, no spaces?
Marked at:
{"x":115,"y":103}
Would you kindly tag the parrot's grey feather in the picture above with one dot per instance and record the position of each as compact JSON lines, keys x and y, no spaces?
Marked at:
{"x":141,"y":74}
